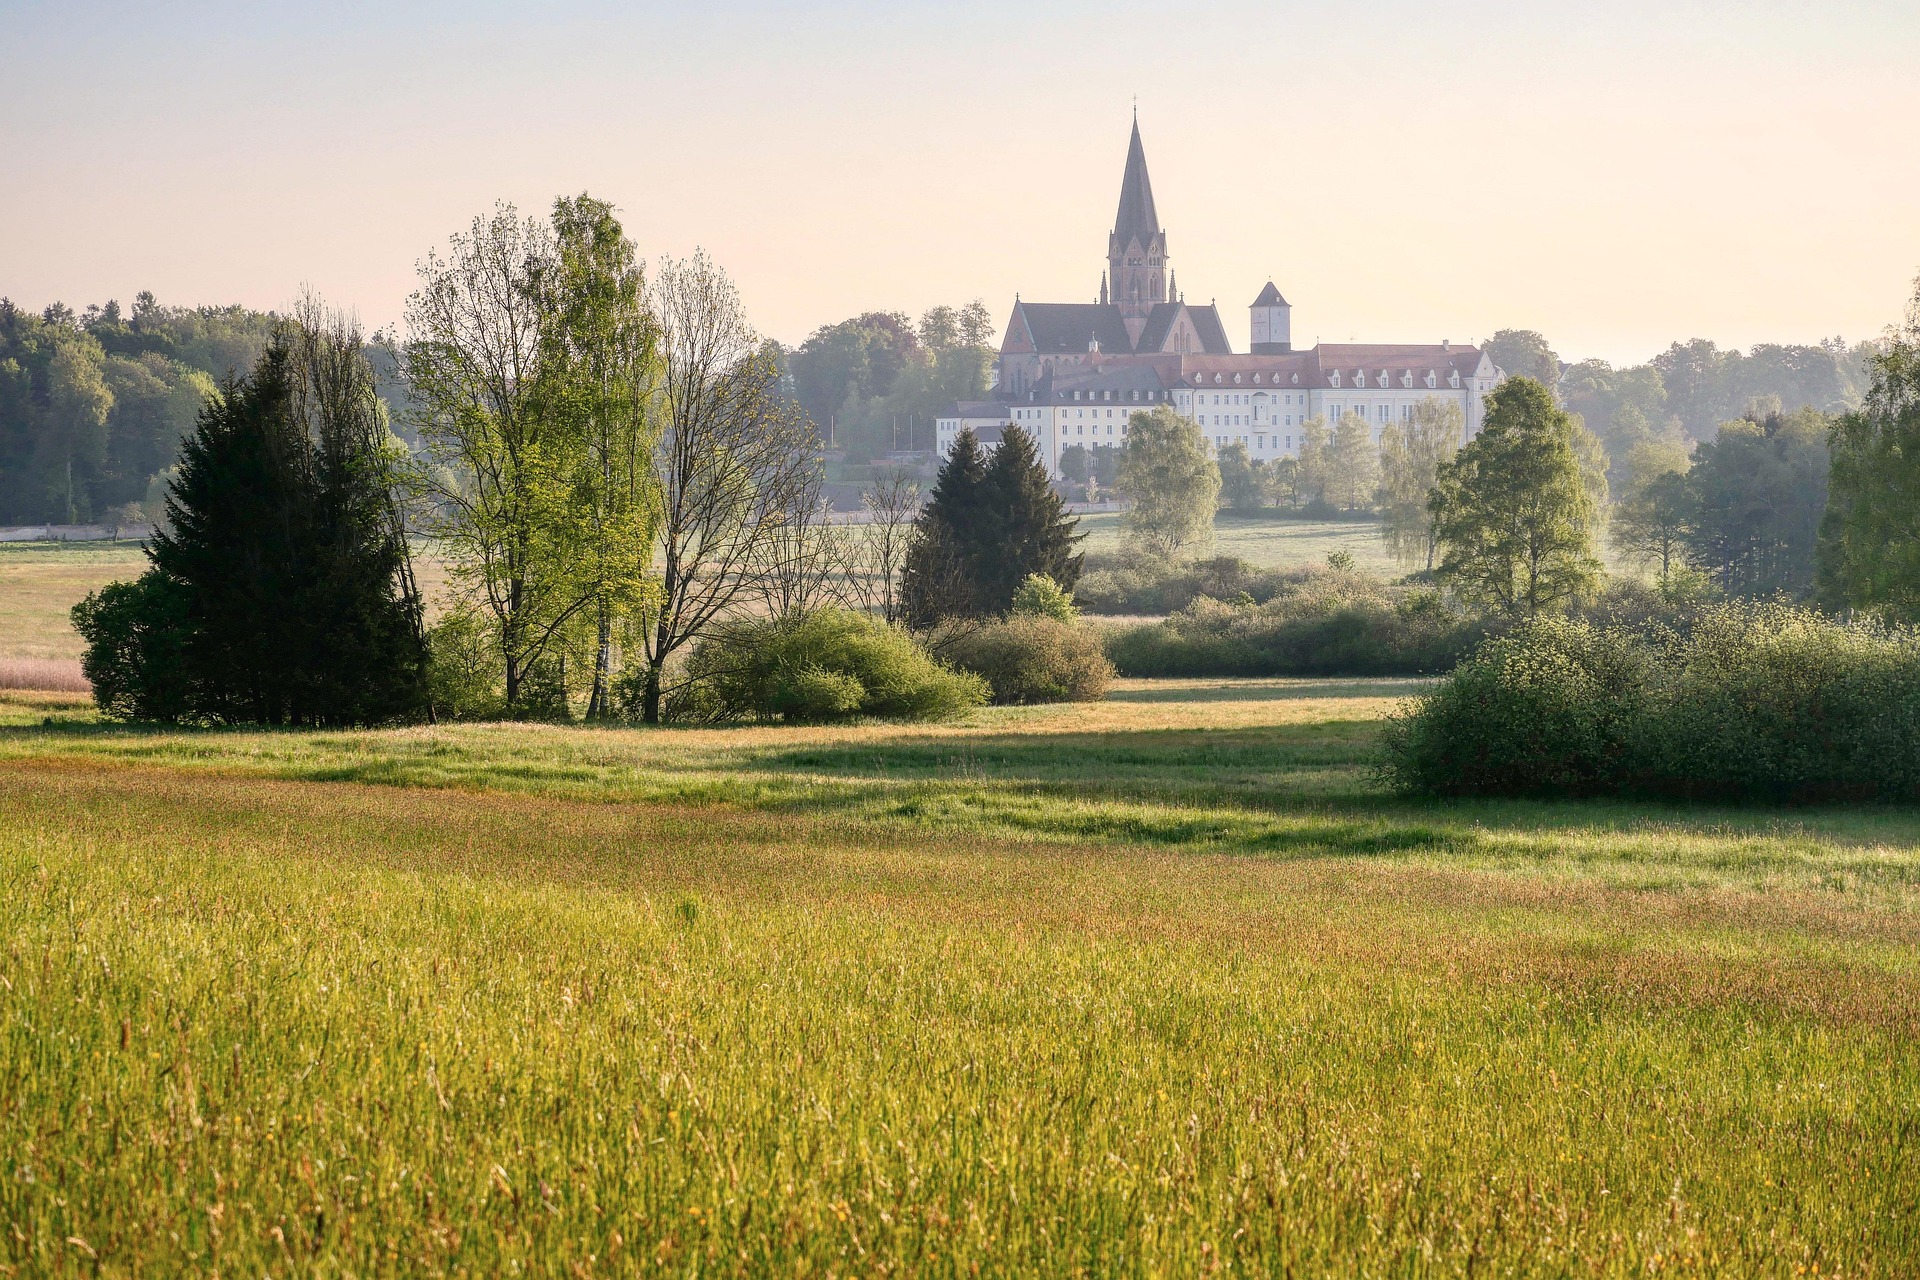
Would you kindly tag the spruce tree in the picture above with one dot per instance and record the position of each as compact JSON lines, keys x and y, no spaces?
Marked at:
{"x":940,"y":579}
{"x":1024,"y":527}
{"x":285,"y":550}
{"x":241,"y":517}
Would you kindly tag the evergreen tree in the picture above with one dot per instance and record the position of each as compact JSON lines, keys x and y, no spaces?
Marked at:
{"x":938,"y":581}
{"x":1024,"y":527}
{"x":280,"y":594}
{"x":241,"y":512}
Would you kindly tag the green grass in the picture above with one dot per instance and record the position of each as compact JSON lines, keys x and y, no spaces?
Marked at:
{"x":1270,"y":541}
{"x":1148,"y":987}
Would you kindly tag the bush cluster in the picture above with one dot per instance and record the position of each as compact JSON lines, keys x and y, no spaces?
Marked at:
{"x":1319,"y":622}
{"x":1753,"y":702}
{"x":823,"y":665}
{"x":1134,"y":585}
{"x":1031,"y":658}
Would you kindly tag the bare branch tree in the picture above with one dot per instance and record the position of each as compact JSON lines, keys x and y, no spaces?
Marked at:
{"x":880,"y":553}
{"x":805,"y":561}
{"x":735,"y":460}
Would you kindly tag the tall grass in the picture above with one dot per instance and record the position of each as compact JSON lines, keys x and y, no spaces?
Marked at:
{"x":49,"y":675}
{"x":256,"y":1027}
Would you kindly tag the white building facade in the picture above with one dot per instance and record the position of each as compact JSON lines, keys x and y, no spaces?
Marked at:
{"x":1072,"y":373}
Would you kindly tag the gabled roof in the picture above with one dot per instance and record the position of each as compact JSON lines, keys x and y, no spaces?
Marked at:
{"x":1213,"y":334}
{"x":1137,"y":216}
{"x":1269,"y":297}
{"x":1159,"y":324}
{"x":1059,"y":328}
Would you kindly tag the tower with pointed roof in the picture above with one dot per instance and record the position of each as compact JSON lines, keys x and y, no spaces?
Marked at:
{"x":1272,"y":323}
{"x":1137,"y":249}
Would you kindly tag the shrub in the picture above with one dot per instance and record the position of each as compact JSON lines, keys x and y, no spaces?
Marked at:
{"x":1549,"y":710}
{"x":828,"y":664}
{"x":1322,"y":622}
{"x":1132,"y":585}
{"x":463,"y":669}
{"x":136,"y":648}
{"x":1754,"y":702}
{"x":1042,"y":597}
{"x":1031,"y":658}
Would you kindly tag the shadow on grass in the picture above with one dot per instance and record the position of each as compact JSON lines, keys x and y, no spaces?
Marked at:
{"x":1275,"y":689}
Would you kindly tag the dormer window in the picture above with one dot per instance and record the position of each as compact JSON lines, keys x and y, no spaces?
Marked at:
{"x":1236,"y":379}
{"x":1296,"y":379}
{"x":1453,"y":379}
{"x":1335,"y":377}
{"x":1218,"y":378}
{"x":1432,"y":381}
{"x":1383,"y":377}
{"x":1406,"y":379}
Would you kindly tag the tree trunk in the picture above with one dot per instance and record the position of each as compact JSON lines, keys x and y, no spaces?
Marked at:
{"x":650,"y":699}
{"x":597,"y":708}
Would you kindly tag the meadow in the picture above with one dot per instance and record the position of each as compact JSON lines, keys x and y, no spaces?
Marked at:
{"x":1159,"y":986}
{"x":1269,"y":540}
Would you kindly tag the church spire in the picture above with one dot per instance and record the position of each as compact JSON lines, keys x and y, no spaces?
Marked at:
{"x":1137,"y":249}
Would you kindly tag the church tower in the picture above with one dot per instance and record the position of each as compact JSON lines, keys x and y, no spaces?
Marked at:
{"x":1137,"y":249}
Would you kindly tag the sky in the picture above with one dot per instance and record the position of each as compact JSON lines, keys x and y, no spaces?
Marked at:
{"x":1616,"y":174}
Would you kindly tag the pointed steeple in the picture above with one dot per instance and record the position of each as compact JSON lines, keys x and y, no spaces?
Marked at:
{"x":1137,"y":218}
{"x":1137,"y":249}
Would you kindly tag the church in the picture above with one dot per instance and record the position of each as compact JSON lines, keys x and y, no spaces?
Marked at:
{"x":1070,"y":373}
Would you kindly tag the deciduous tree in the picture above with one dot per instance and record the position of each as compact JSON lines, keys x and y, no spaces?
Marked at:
{"x":1173,"y":483}
{"x":1514,"y":516}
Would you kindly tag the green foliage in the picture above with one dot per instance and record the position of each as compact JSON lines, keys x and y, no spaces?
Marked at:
{"x":990,"y":523}
{"x":1322,"y":622}
{"x":827,"y":664}
{"x":1756,"y":495}
{"x":938,"y":580}
{"x":1352,"y":466}
{"x":1650,"y":525}
{"x":1032,"y":658}
{"x":136,"y":638}
{"x":1128,"y":585}
{"x":1513,"y":511}
{"x":1752,"y":702}
{"x":1023,"y":527}
{"x":1040,"y":596}
{"x":1173,"y":483}
{"x":1243,"y":478}
{"x":463,"y":669}
{"x":1551,"y":709}
{"x":1410,"y":460}
{"x":1869,"y":551}
{"x":513,"y":483}
{"x":880,"y":380}
{"x":1522,"y":353}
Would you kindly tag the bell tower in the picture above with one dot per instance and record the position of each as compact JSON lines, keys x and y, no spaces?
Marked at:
{"x":1137,"y":249}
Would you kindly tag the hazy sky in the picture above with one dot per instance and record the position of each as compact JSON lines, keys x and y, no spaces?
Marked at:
{"x":1616,"y":174}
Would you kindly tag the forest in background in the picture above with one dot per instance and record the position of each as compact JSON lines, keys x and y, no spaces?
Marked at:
{"x":93,"y":404}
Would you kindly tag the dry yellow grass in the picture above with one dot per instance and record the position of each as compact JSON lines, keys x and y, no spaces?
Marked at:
{"x":40,"y":582}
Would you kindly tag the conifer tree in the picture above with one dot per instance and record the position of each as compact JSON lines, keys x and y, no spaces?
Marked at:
{"x":1024,"y":527}
{"x":241,"y":513}
{"x":938,"y":581}
{"x":280,"y":594}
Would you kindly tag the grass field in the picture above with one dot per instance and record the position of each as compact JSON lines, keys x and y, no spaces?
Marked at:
{"x":1160,"y":986}
{"x":41,"y":581}
{"x":1272,"y":542}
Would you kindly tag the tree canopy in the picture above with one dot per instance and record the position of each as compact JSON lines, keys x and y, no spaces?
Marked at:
{"x":1515,"y":517}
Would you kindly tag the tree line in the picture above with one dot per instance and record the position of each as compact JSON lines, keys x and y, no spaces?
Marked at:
{"x":608,"y":460}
